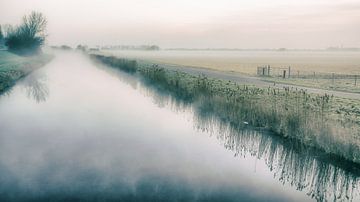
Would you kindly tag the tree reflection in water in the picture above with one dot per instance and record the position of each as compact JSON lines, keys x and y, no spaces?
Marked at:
{"x":36,"y":87}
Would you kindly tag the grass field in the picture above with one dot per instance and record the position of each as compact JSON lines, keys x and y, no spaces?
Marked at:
{"x":246,"y":62}
{"x":347,"y":85}
{"x":13,"y":67}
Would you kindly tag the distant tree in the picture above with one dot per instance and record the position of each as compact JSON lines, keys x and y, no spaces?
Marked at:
{"x":65,"y":47}
{"x":1,"y":34}
{"x":28,"y":37}
{"x":154,"y":47}
{"x":81,"y":47}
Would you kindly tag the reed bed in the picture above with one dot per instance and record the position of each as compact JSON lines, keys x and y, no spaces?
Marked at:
{"x":289,"y":113}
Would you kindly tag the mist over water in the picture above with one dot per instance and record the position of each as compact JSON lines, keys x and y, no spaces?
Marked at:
{"x":75,"y":131}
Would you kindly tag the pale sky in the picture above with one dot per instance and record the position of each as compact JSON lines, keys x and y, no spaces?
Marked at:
{"x":195,"y":23}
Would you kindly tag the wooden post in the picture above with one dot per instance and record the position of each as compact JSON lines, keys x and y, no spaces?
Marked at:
{"x":289,"y":72}
{"x":355,"y":79}
{"x":333,"y":78}
{"x":268,"y":70}
{"x":284,"y":74}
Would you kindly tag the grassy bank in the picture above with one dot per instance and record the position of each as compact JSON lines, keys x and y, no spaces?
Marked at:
{"x":14,"y":67}
{"x":320,"y":121}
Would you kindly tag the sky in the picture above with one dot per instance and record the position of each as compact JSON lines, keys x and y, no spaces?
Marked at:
{"x":195,"y":23}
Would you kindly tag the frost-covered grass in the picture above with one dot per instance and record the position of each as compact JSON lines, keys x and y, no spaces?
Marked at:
{"x":346,"y":84}
{"x":14,"y":67}
{"x":320,"y":121}
{"x":246,"y":62}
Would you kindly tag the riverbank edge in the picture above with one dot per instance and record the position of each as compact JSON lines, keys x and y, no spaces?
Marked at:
{"x":311,"y":131}
{"x":12,"y":72}
{"x":257,"y":80}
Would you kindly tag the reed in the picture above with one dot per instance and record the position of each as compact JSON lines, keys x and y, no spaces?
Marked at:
{"x":289,"y":113}
{"x":123,"y":64}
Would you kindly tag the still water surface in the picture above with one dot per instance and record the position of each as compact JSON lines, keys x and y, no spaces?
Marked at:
{"x":76,"y":131}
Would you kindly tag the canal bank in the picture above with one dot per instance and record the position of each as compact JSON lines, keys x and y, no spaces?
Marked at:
{"x":14,"y":67}
{"x":319,"y":121}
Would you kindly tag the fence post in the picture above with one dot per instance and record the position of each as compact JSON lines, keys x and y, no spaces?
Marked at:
{"x":284,"y":74}
{"x":355,"y":79}
{"x":289,"y":72}
{"x":268,"y":70}
{"x":333,"y":78}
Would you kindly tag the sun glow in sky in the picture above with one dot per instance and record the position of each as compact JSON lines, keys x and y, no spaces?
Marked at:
{"x":196,"y":24}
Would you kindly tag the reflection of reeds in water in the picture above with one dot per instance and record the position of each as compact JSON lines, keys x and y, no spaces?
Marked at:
{"x":306,"y":148}
{"x":322,"y":176}
{"x":305,"y":168}
{"x":289,"y":113}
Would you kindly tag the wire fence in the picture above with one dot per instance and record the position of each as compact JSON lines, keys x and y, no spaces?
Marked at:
{"x":288,"y":73}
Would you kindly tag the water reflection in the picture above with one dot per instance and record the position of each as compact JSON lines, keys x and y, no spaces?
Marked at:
{"x":36,"y":86}
{"x":98,"y":139}
{"x":322,"y":176}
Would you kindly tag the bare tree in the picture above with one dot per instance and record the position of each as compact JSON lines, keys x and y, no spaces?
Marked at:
{"x":34,"y":25}
{"x":28,"y":37}
{"x":7,"y":28}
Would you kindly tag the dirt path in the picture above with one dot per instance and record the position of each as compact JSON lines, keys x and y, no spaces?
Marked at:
{"x":241,"y":79}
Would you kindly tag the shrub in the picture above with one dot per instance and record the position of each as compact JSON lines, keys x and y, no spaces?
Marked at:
{"x":28,"y":37}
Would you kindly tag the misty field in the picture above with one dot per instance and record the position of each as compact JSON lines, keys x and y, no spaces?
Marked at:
{"x":246,"y":62}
